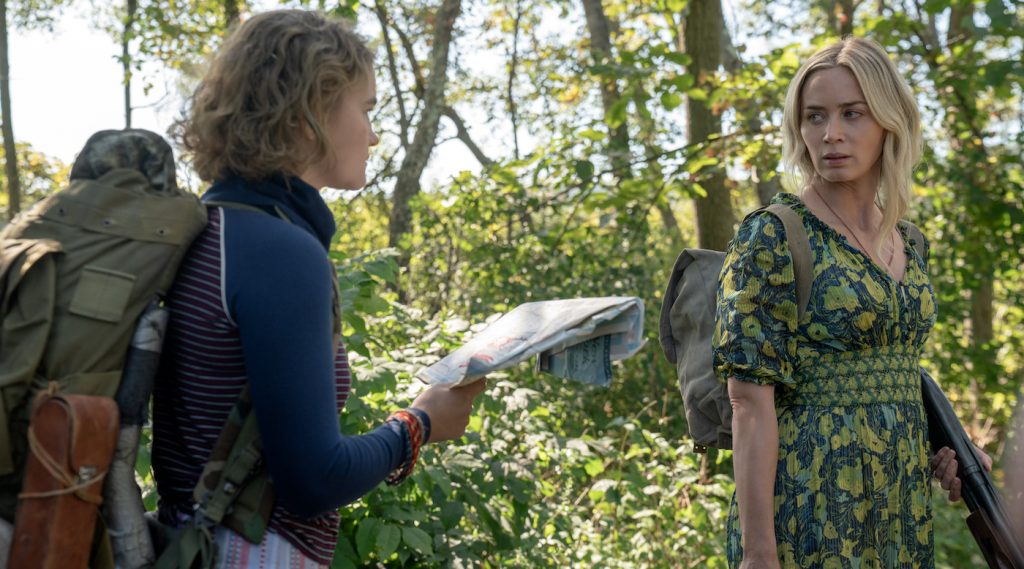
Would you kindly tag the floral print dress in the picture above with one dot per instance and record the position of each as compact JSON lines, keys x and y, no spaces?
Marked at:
{"x":852,"y":488}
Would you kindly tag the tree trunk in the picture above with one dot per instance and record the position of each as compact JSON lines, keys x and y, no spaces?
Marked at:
{"x":618,"y":139}
{"x":131,"y":6}
{"x":512,"y":110}
{"x":407,"y":183}
{"x":601,"y":52}
{"x":982,"y":311}
{"x":846,"y":9}
{"x":396,"y":81}
{"x":10,"y":150}
{"x":840,"y":15}
{"x":702,"y":41}
{"x":230,"y":14}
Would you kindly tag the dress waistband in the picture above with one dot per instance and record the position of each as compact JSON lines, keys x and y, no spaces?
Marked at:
{"x":889,"y":374}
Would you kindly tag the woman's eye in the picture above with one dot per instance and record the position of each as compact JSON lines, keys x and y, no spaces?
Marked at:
{"x":815,"y":118}
{"x":852,"y":114}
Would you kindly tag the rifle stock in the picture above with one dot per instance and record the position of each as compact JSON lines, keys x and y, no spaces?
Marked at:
{"x":988,"y":520}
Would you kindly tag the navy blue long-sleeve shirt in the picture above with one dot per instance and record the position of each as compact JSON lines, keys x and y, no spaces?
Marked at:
{"x":252,"y":304}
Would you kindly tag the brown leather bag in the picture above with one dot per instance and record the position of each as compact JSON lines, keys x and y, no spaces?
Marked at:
{"x":71,"y":442}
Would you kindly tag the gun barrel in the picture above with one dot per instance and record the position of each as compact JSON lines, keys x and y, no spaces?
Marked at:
{"x":988,"y":521}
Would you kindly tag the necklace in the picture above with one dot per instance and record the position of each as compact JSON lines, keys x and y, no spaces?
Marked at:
{"x":892,"y":253}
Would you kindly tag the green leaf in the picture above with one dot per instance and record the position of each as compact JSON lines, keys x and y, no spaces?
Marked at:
{"x":404,"y":514}
{"x":599,"y":489}
{"x":676,"y":57}
{"x":617,"y":114}
{"x":697,"y":163}
{"x":594,"y":466}
{"x":787,"y":59}
{"x":372,"y":305}
{"x":995,"y":73}
{"x":388,"y":538}
{"x":591,"y":134}
{"x":342,"y":563}
{"x":366,"y":537}
{"x":451,"y":513}
{"x":671,"y":100}
{"x":385,"y":269}
{"x":440,"y":478}
{"x":936,"y":6}
{"x":344,"y":550}
{"x":683,"y":82}
{"x":996,"y":11}
{"x":697,"y":94}
{"x":417,"y":539}
{"x":585,"y":170}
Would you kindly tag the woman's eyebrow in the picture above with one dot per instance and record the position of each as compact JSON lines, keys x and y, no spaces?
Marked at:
{"x":840,"y":105}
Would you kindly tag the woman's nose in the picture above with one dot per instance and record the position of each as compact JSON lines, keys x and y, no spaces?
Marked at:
{"x":833,"y":131}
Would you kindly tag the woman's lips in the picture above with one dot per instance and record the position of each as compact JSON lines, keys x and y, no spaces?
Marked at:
{"x":836,"y":159}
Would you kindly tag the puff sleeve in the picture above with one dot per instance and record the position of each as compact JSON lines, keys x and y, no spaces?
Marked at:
{"x":756,"y":311}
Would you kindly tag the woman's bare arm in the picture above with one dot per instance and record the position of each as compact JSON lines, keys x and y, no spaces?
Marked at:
{"x":755,"y":436}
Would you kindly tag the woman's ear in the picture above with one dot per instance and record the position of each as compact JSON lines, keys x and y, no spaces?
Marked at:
{"x":307,"y":130}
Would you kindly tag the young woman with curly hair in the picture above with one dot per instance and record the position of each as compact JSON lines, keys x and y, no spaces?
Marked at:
{"x":282,"y":112}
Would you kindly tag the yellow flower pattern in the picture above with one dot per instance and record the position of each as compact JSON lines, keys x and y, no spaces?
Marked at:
{"x":851,"y":487}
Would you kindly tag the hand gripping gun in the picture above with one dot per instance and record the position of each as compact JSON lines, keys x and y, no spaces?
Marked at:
{"x":988,"y":519}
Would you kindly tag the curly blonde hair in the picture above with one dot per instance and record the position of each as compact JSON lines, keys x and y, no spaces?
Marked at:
{"x":277,"y":72}
{"x":891,"y":103}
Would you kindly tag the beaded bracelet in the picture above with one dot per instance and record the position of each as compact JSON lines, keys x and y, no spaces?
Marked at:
{"x":413,"y":429}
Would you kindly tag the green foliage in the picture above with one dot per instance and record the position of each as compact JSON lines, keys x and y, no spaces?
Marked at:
{"x":970,"y":191}
{"x":560,"y":474}
{"x":40,"y":175}
{"x":556,"y":474}
{"x":550,"y":473}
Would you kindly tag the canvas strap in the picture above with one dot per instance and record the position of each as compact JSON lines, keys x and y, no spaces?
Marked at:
{"x":916,"y":237}
{"x":800,"y":249}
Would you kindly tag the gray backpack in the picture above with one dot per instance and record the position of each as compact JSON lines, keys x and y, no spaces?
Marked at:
{"x":688,"y":324}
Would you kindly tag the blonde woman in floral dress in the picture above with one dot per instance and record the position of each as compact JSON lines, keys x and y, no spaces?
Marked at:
{"x":829,"y":430}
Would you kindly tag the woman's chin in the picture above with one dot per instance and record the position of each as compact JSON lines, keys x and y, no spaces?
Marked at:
{"x":836,"y":177}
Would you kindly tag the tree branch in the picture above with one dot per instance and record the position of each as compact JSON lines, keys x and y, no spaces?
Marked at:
{"x":463,"y":135}
{"x":403,"y":120}
{"x":417,"y":72}
{"x":512,"y":79}
{"x":407,"y":183}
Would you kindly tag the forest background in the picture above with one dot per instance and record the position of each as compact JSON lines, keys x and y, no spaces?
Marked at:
{"x":597,"y":138}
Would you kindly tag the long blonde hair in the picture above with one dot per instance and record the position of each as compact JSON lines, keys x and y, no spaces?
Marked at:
{"x":272,"y":84}
{"x":891,"y":103}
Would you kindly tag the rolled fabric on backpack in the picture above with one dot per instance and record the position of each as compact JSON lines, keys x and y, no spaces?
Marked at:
{"x":123,"y":507}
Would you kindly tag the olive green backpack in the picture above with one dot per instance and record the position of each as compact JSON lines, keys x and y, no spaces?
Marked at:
{"x":688,"y":323}
{"x":82,"y":275}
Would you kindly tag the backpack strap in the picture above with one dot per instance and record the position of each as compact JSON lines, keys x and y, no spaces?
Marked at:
{"x":799,"y":248}
{"x":234,"y":490}
{"x":236,"y":461}
{"x":916,"y":237}
{"x":248,"y":207}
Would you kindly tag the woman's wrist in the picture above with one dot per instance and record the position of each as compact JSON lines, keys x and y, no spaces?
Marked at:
{"x":414,"y":434}
{"x":424,"y":421}
{"x":760,"y":546}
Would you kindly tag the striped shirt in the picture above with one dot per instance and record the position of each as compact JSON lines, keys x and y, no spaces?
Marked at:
{"x":203,"y":373}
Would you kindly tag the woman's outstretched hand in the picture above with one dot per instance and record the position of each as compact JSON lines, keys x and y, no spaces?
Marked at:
{"x":943,"y":467}
{"x":448,"y":408}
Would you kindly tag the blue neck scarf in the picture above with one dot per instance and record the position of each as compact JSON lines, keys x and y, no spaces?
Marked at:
{"x":299,"y":201}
